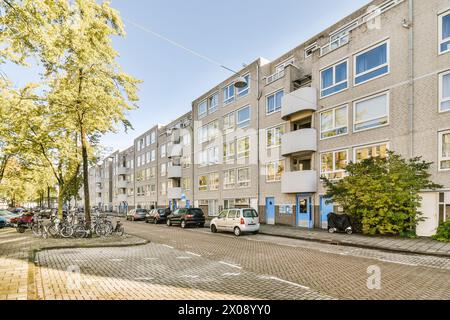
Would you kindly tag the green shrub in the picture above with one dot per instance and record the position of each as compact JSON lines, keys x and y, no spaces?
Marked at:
{"x":443,"y":232}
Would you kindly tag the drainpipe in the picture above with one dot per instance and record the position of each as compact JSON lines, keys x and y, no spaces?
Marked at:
{"x":258,"y":135}
{"x":411,"y":76}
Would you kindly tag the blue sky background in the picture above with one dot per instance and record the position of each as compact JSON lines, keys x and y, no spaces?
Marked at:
{"x":222,"y":30}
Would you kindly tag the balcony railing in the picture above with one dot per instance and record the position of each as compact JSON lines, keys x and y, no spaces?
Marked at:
{"x":303,"y":99}
{"x":174,"y":172}
{"x":274,"y":77}
{"x":175,"y":151}
{"x":299,"y":141}
{"x":299,"y":182}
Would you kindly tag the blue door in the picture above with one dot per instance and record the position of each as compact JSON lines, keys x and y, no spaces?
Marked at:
{"x":304,"y":211}
{"x":325,"y":209}
{"x":270,"y":210}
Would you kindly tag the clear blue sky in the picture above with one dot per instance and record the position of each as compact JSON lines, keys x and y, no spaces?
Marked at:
{"x":221,"y":30}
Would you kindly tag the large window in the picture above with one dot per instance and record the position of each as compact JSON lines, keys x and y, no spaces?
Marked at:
{"x":243,"y":177}
{"x":274,"y":171}
{"x":273,"y":137}
{"x":333,"y":164}
{"x":229,"y":122}
{"x":373,"y":151}
{"x":444,"y":92}
{"x":274,"y":102}
{"x":213,"y":156}
{"x":334,"y":122}
{"x":213,"y":103}
{"x":163,"y":151}
{"x":228,"y":94}
{"x":208,"y":132}
{"x":152,"y":137}
{"x":229,"y":151}
{"x":203,"y":158}
{"x":163,"y":170}
{"x":444,"y":32}
{"x":202,"y":109}
{"x":244,"y":91}
{"x":229,"y":179}
{"x":203,"y":183}
{"x":371,"y":113}
{"x":334,"y":79}
{"x":214,"y":181}
{"x":243,"y":148}
{"x":444,"y":150}
{"x":186,"y":183}
{"x":243,"y":117}
{"x":372,"y":63}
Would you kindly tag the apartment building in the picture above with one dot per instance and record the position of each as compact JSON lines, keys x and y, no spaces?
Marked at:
{"x":377,"y":80}
{"x":123,"y":187}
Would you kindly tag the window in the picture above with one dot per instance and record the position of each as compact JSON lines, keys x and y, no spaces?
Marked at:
{"x":243,"y":148}
{"x":213,"y":103}
{"x":202,"y":183}
{"x":153,"y":172}
{"x":333,"y":164}
{"x":244,"y":91}
{"x":153,"y":189}
{"x":273,"y":137}
{"x":228,"y":94}
{"x":280,"y":68}
{"x":203,"y":158}
{"x":444,"y":32}
{"x":372,"y":63}
{"x":153,"y":155}
{"x":148,"y":157}
{"x":163,"y":189}
{"x":444,"y":150}
{"x":274,"y":170}
{"x":243,"y":117}
{"x":366,"y":152}
{"x":371,"y":113}
{"x":214,"y":181}
{"x":334,"y":79}
{"x":202,"y":109}
{"x":229,"y":179}
{"x":444,"y":92}
{"x":163,"y":151}
{"x":186,"y":183}
{"x":213,"y":156}
{"x":310,"y":50}
{"x":229,"y":122}
{"x":147,"y":140}
{"x":334,"y":122}
{"x":148,"y":174}
{"x":163,"y":170}
{"x":186,"y":162}
{"x":274,"y":102}
{"x":243,"y":177}
{"x":208,"y":132}
{"x":229,"y":151}
{"x":152,"y":137}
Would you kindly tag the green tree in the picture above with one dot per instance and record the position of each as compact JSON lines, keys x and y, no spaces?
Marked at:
{"x":382,"y":195}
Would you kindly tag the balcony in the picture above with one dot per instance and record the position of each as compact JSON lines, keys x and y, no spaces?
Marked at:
{"x":174,"y":172}
{"x":174,"y":193}
{"x":303,"y":140}
{"x":303,"y":99}
{"x":121,"y":171}
{"x":299,"y":182}
{"x":122,"y":184}
{"x":176,"y":151}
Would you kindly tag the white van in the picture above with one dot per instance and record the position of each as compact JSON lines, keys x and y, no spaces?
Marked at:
{"x":236,"y":221}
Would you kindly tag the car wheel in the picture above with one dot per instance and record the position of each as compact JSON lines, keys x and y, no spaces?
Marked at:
{"x":237,"y":231}
{"x":349,"y":231}
{"x":213,"y":229}
{"x":330,"y":230}
{"x":169,"y":223}
{"x":183,"y":224}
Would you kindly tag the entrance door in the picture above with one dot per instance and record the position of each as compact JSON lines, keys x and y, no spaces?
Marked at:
{"x":304,"y":211}
{"x":325,"y":209}
{"x":270,"y":210}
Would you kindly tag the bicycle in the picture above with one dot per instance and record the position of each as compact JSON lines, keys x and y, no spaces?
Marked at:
{"x":60,"y":228}
{"x":38,"y":228}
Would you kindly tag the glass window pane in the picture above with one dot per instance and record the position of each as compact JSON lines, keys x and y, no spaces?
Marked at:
{"x":446,"y":145}
{"x":371,"y":109}
{"x":327,"y":78}
{"x":327,"y":121}
{"x":446,"y":86}
{"x":446,"y":26}
{"x":278,"y":98}
{"x":327,"y":162}
{"x":270,"y":104}
{"x":341,"y":117}
{"x":244,"y":117}
{"x":341,"y":72}
{"x":371,"y":59}
{"x":341,"y":160}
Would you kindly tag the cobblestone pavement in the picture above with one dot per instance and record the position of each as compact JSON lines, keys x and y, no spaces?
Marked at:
{"x":17,"y":271}
{"x":337,"y":271}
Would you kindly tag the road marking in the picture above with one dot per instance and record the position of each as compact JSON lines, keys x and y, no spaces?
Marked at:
{"x":398,"y":262}
{"x":167,"y":246}
{"x":230,"y":274}
{"x":285,"y":281}
{"x":230,"y":265}
{"x":193,"y":254}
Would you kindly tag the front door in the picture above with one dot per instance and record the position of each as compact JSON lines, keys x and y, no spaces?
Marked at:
{"x":325,"y":209}
{"x":304,"y":211}
{"x":270,"y":210}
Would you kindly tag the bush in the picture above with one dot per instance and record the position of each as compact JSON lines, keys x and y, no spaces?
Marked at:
{"x":443,"y":232}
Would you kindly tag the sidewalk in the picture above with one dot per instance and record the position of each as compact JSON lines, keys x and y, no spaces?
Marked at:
{"x":423,"y":246}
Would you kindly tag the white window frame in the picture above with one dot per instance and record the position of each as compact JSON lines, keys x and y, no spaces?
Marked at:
{"x":334,"y":171}
{"x":231,"y":185}
{"x":210,"y":109}
{"x":152,"y":137}
{"x":388,"y":63}
{"x":334,"y":79}
{"x":210,"y":181}
{"x":202,"y":114}
{"x":231,"y":99}
{"x":440,"y":145}
{"x":282,"y":128}
{"x":163,"y":151}
{"x":214,"y":159}
{"x":245,"y":91}
{"x":153,"y":155}
{"x":228,"y":156}
{"x":267,"y":101}
{"x":231,"y":116}
{"x":267,"y":170}
{"x":388,"y":100}
{"x":238,"y":124}
{"x":334,"y":122}
{"x":364,"y":146}
{"x":441,"y":40}
{"x":243,"y":155}
{"x":441,"y":92}
{"x":163,"y":171}
{"x":244,"y":183}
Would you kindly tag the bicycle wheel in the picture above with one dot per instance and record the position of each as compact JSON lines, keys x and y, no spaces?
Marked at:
{"x":100,"y":230}
{"x":53,"y":231}
{"x":79,"y":232}
{"x":120,"y":231}
{"x":37,"y":229}
{"x":66,"y":231}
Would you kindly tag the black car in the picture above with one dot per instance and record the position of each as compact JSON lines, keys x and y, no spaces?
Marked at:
{"x":187,"y":217}
{"x":157,"y":216}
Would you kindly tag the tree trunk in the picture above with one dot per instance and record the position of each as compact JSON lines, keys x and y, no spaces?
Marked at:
{"x":3,"y":165}
{"x":87,"y":205}
{"x":60,"y":202}
{"x":48,"y":198}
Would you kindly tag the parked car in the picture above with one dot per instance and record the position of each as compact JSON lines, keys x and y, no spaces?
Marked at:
{"x":3,"y":222}
{"x":25,"y":218}
{"x":47,"y":213}
{"x":157,"y":216}
{"x":137,"y":214}
{"x":237,"y":221}
{"x":8,"y":215}
{"x":186,"y":217}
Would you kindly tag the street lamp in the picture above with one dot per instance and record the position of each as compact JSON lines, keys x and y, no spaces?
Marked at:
{"x":240,"y":83}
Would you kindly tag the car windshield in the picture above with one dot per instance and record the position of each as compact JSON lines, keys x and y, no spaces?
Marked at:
{"x":250,"y":213}
{"x":197,"y":212}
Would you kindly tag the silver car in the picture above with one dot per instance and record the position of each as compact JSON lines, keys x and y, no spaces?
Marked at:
{"x":237,"y":221}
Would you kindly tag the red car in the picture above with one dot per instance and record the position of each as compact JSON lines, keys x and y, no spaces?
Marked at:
{"x":23,"y":221}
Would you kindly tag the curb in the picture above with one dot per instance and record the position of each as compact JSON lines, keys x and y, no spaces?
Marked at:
{"x":355,"y":245}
